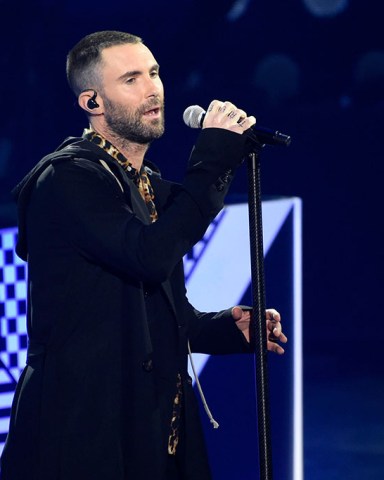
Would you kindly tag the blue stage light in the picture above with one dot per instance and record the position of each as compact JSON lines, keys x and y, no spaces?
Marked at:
{"x":326,"y":8}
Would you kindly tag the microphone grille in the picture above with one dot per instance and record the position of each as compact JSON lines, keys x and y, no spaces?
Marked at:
{"x":192,"y":116}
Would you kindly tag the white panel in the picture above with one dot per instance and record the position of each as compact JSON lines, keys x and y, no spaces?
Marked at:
{"x":297,"y":473}
{"x":223,"y":274}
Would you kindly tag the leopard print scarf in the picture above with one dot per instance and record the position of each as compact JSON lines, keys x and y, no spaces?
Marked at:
{"x":140,"y":178}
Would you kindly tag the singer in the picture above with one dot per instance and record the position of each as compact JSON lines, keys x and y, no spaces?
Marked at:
{"x":105,"y":393}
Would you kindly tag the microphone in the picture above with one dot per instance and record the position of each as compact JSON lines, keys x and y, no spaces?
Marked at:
{"x":193,"y":117}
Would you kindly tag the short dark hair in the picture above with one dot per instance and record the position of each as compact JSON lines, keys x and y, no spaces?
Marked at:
{"x":83,"y":61}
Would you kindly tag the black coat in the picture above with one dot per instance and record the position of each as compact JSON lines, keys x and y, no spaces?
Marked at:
{"x":95,"y":399}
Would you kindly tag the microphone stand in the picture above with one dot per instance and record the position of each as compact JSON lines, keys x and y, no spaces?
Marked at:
{"x":193,"y":117}
{"x":258,"y":335}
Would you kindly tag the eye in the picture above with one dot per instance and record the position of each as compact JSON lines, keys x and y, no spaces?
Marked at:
{"x":154,"y":74}
{"x":130,"y":80}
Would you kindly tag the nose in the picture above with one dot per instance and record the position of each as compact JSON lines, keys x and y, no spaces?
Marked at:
{"x":153,"y":87}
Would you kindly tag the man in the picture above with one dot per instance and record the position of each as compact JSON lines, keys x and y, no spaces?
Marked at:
{"x":106,"y":393}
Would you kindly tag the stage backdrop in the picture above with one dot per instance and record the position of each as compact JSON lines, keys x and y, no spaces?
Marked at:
{"x":218,"y":276}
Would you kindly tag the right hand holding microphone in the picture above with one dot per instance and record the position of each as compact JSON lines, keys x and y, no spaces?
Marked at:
{"x":227,"y":116}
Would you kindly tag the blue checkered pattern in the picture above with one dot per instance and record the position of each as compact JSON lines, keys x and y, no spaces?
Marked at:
{"x":13,"y":333}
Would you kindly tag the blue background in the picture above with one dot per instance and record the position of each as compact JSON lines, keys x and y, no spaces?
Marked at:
{"x":318,"y":78}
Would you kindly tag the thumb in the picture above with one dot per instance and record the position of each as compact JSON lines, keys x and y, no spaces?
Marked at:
{"x":237,"y":313}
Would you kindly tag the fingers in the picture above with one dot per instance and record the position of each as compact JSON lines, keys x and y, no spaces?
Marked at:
{"x":275,"y":334}
{"x":275,"y":347}
{"x":242,"y":319}
{"x":241,"y":316}
{"x":272,"y":314}
{"x":274,"y":331}
{"x":273,"y":324}
{"x":226,"y":115}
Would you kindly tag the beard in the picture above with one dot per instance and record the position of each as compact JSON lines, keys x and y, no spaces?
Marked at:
{"x":129,"y":126}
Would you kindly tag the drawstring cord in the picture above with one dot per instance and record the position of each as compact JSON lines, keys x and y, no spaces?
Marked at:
{"x":206,"y":408}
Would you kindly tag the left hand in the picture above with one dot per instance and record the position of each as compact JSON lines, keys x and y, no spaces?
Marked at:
{"x":274,"y":331}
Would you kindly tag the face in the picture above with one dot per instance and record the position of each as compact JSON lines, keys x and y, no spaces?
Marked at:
{"x":133,"y":93}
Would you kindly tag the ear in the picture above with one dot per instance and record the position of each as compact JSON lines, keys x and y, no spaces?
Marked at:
{"x":89,"y":101}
